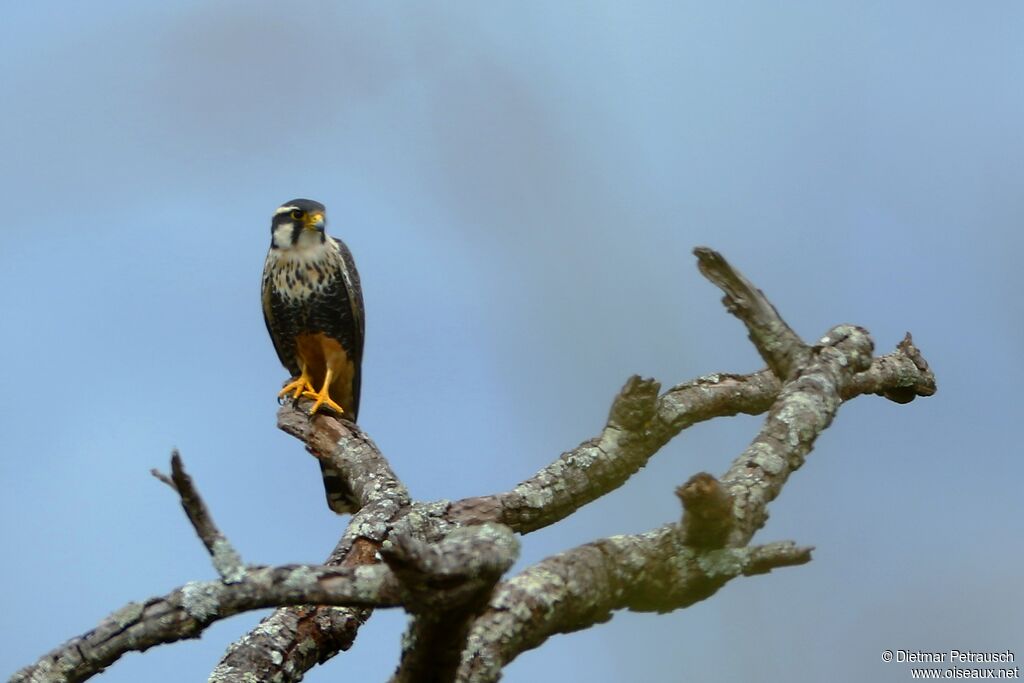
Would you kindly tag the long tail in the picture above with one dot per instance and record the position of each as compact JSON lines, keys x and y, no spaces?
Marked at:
{"x":339,"y":496}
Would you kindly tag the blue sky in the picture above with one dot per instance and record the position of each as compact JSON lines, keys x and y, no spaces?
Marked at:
{"x":521,"y":185}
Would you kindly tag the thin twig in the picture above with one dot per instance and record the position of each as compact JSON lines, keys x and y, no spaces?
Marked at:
{"x":226,"y":560}
{"x":779,"y":346}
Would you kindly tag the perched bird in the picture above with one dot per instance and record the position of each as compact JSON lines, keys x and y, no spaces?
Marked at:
{"x":313,"y":307}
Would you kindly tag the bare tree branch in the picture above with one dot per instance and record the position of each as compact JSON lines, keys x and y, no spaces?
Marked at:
{"x":646,"y":572}
{"x":288,"y":643}
{"x":805,"y":407}
{"x":270,"y":651}
{"x":605,"y":462}
{"x":583,"y":474}
{"x":450,"y":579}
{"x":778,"y":344}
{"x":186,"y":611}
{"x":449,"y":584}
{"x":569,"y":483}
{"x":707,"y":512}
{"x":443,"y":560}
{"x":226,"y":560}
{"x":294,"y":639}
{"x":640,"y":422}
{"x":900,"y":377}
{"x":348,"y":451}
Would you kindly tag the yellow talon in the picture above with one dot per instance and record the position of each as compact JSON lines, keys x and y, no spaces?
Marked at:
{"x":323,"y":397}
{"x":300,"y":385}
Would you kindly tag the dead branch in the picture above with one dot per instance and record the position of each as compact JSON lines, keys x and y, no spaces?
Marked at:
{"x":272,"y":650}
{"x":350,"y":454}
{"x":640,"y":423}
{"x":226,"y":560}
{"x":443,"y":561}
{"x":654,"y":571}
{"x":804,"y":407}
{"x":778,"y":344}
{"x":707,"y":512}
{"x":448,"y":584}
{"x":605,"y":462}
{"x":187,"y":611}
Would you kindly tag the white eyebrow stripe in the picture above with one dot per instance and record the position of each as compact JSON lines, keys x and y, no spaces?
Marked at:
{"x":285,"y":209}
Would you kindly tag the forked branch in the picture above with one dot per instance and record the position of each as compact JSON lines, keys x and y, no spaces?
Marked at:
{"x":443,"y":561}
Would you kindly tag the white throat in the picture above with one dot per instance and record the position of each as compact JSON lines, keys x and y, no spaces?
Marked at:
{"x":308,"y":239}
{"x":282,"y":236}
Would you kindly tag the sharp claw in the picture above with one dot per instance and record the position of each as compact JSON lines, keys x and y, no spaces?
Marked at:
{"x":303,"y":388}
{"x":322,"y":399}
{"x":298,"y":385}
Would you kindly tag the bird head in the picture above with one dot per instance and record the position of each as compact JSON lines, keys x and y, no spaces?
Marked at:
{"x":298,"y":223}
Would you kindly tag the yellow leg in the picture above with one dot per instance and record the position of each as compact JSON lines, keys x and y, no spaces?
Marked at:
{"x":322,"y":397}
{"x":300,"y":385}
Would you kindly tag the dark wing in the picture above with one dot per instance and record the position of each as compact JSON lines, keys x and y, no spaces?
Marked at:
{"x":340,"y":498}
{"x":278,"y":324}
{"x":351,"y":294}
{"x":350,"y":298}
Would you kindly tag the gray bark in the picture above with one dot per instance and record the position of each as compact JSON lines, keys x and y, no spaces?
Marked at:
{"x":443,"y":561}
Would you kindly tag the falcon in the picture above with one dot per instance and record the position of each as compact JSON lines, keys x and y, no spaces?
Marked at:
{"x":313,"y":307}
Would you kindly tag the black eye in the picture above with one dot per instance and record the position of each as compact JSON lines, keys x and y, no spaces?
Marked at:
{"x":296,"y":214}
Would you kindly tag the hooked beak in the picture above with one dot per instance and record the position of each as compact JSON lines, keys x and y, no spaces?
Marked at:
{"x":314,"y":221}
